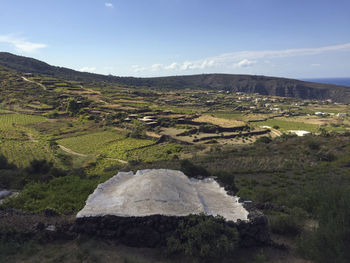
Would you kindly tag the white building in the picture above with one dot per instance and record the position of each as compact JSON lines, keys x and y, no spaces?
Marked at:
{"x":300,"y":132}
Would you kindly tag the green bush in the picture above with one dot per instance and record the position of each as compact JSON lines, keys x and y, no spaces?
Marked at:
{"x":64,"y":194}
{"x":288,"y":224}
{"x":4,"y":164}
{"x":202,"y":237}
{"x":245,"y":193}
{"x":227,"y":178}
{"x":330,"y":241}
{"x":264,"y":139}
{"x":138,"y":130}
{"x":314,"y":145}
{"x":208,"y":128}
{"x":192,"y":170}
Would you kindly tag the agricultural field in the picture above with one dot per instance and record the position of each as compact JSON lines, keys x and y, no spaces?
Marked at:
{"x":286,"y":125}
{"x":155,"y":152}
{"x":10,"y":121}
{"x":124,"y":149}
{"x":91,"y":143}
{"x":245,"y":117}
{"x":21,"y":153}
{"x":219,"y":121}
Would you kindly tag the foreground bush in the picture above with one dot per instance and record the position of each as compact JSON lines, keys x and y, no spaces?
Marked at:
{"x":330,"y":241}
{"x":288,"y":224}
{"x":65,"y":194}
{"x":203,"y":238}
{"x":192,"y":170}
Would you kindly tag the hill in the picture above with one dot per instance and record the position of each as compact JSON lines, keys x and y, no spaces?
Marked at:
{"x":238,"y":83}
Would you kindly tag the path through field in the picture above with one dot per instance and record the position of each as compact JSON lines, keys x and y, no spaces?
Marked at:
{"x":71,"y":152}
{"x":67,"y":150}
{"x":31,"y":81}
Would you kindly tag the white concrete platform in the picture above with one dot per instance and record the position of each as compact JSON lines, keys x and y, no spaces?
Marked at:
{"x":164,"y":192}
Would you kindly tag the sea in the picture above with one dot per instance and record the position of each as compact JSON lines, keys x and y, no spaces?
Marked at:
{"x":335,"y":81}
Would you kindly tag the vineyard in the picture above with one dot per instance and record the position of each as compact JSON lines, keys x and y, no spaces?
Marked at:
{"x":288,"y":125}
{"x":8,"y":121}
{"x":21,"y":153}
{"x":124,"y":149}
{"x":17,"y":142}
{"x":91,"y":143}
{"x":155,"y":152}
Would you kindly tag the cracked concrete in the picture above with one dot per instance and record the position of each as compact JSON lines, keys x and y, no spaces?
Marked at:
{"x":163,"y":192}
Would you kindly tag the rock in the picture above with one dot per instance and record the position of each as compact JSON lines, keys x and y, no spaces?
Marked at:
{"x":50,"y":228}
{"x":5,"y":193}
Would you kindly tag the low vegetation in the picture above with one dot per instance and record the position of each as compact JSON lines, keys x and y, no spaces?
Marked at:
{"x":59,"y":142}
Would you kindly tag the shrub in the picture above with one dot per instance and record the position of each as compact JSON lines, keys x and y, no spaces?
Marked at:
{"x":202,"y":237}
{"x":228,"y":179}
{"x":329,"y":242}
{"x":314,"y":145}
{"x":264,"y":139}
{"x":208,"y":128}
{"x":245,"y":193}
{"x":4,"y":164}
{"x":193,"y":170}
{"x":288,"y":224}
{"x":138,"y":131}
{"x":65,"y":194}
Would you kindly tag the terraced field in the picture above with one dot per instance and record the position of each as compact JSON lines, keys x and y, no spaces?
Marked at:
{"x":92,"y":143}
{"x":219,"y":121}
{"x":123,"y":149}
{"x":285,"y":125}
{"x":114,"y":145}
{"x":8,"y":121}
{"x":155,"y":152}
{"x":21,"y":153}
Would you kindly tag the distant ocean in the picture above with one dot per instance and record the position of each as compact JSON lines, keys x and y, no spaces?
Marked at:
{"x":335,"y":81}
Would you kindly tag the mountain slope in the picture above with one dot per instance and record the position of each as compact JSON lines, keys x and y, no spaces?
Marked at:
{"x":243,"y":83}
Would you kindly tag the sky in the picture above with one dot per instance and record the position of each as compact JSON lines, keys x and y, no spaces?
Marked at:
{"x":146,"y":38}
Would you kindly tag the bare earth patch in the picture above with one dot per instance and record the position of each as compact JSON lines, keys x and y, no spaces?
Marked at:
{"x":219,"y":121}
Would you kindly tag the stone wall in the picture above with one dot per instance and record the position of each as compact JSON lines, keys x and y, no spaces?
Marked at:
{"x":153,"y":231}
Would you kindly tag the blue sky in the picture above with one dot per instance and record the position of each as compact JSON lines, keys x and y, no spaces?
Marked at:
{"x":287,"y":38}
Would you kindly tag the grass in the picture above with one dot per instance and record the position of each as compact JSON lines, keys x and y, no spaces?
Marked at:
{"x":219,"y":121}
{"x":65,"y":194}
{"x":21,"y":153}
{"x":104,"y":166}
{"x":288,"y":125}
{"x":122,"y":149}
{"x":110,"y":144}
{"x":91,"y":143}
{"x":155,"y":152}
{"x":9,"y":121}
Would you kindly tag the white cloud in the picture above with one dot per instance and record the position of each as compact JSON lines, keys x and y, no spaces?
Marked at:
{"x":109,"y":5}
{"x":88,"y":69}
{"x":21,"y":44}
{"x":244,"y":59}
{"x":315,"y":65}
{"x":138,"y":69}
{"x":156,"y":67}
{"x":245,"y":63}
{"x":172,"y":66}
{"x":187,"y":65}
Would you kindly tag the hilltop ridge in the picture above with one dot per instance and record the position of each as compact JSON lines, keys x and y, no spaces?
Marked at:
{"x":264,"y":85}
